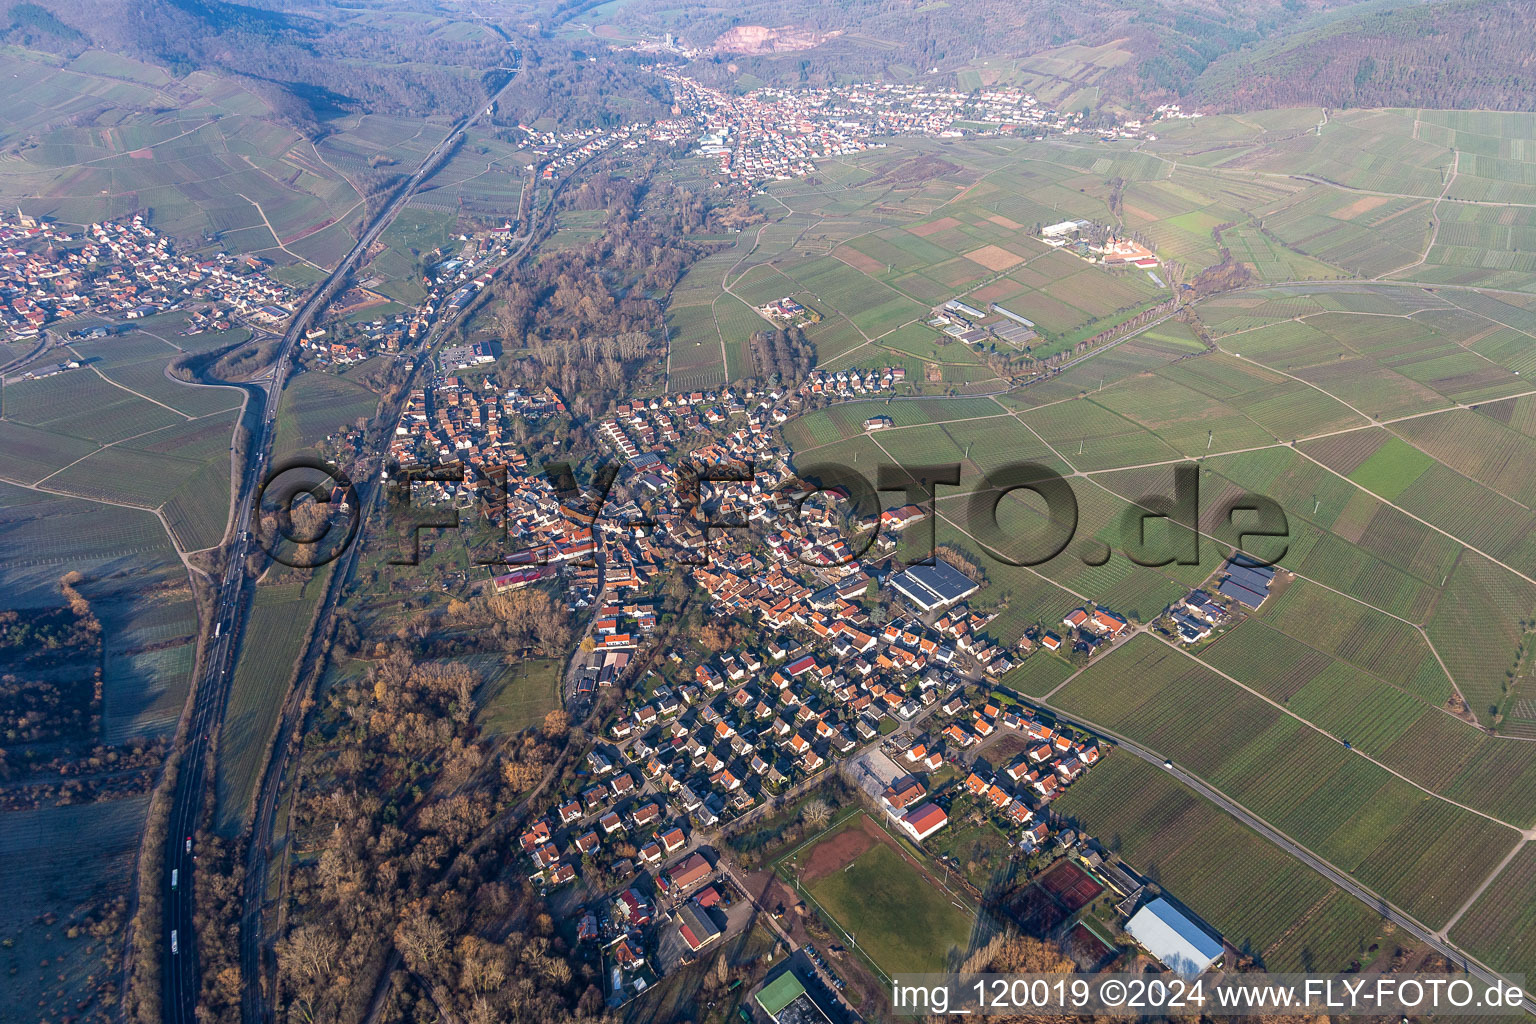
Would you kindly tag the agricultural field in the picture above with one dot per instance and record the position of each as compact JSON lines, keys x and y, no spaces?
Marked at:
{"x":873,"y":279}
{"x":274,"y":638}
{"x":397,"y":269}
{"x":1235,"y":880}
{"x":1389,"y":513}
{"x":151,"y":650}
{"x":1038,"y":675}
{"x":843,"y":420}
{"x":1500,"y":928}
{"x":151,"y":442}
{"x":133,"y":576}
{"x":1304,"y":781}
{"x":708,"y":329}
{"x":1091,"y":436}
{"x":1368,"y":377}
{"x":316,"y":405}
{"x":483,"y":179}
{"x":52,"y":972}
{"x":204,"y":156}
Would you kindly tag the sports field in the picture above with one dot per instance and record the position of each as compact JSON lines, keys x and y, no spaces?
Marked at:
{"x":888,"y":904}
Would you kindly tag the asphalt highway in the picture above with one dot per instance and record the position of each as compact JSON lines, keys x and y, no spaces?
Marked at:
{"x":177,"y":928}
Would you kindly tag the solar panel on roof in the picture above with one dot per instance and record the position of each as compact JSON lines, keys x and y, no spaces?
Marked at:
{"x":943,"y":579}
{"x":1255,"y":581}
{"x":1237,"y":592}
{"x":1248,"y":562}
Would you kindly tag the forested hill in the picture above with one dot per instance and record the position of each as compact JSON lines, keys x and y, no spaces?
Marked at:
{"x":308,"y":59}
{"x":1131,"y":55}
{"x":1172,"y":40}
{"x":1466,"y":53}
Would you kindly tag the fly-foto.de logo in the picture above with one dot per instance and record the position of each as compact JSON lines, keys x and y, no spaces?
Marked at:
{"x":1020,"y":514}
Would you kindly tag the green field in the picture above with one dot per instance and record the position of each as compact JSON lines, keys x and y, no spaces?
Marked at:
{"x":1390,"y":835}
{"x":274,"y":638}
{"x":902,"y":921}
{"x":1235,"y":880}
{"x":1391,"y":468}
{"x":518,"y":697}
{"x":316,"y":405}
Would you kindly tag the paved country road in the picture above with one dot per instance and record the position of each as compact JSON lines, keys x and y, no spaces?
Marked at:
{"x":180,"y":974}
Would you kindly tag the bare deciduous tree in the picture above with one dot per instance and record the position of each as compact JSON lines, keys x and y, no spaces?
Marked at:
{"x":817,"y":813}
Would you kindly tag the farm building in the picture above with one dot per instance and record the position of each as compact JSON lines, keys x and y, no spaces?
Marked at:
{"x":694,"y":925}
{"x":956,"y":306}
{"x":1124,"y":250}
{"x":1246,"y":584}
{"x":1175,"y":938}
{"x":925,"y":821}
{"x":934,"y":586}
{"x":1059,"y":233}
{"x":1013,"y":334}
{"x":1011,"y":315}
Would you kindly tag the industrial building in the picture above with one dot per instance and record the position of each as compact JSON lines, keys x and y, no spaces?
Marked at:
{"x":934,"y":586}
{"x":1178,"y":940}
{"x":694,"y":925}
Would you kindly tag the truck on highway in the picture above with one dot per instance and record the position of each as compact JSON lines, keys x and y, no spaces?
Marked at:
{"x":174,"y":874}
{"x":216,"y":627}
{"x":174,"y":948}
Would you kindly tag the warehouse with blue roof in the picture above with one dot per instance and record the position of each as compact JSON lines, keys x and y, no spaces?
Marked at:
{"x":1178,"y":940}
